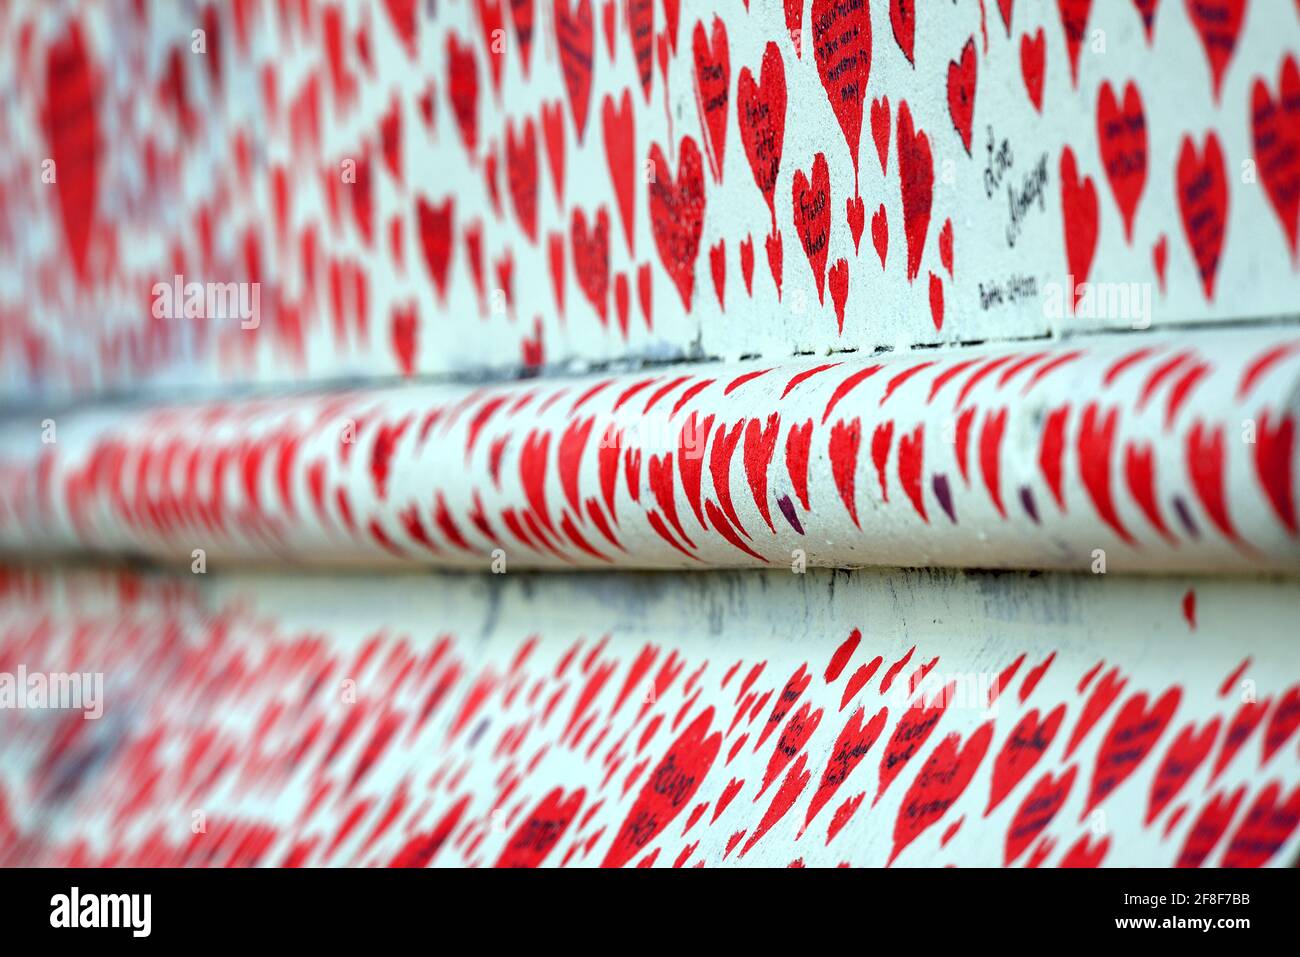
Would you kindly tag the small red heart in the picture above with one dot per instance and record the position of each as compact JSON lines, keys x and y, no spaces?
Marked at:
{"x":1159,"y":257}
{"x":747,"y":264}
{"x":575,"y":37}
{"x":553,"y":133}
{"x":591,"y":259}
{"x":1275,"y":132}
{"x":712,"y":90}
{"x":1033,"y":63}
{"x":838,"y":280}
{"x":618,"y":126}
{"x":812,"y":218}
{"x":880,"y":122}
{"x":521,"y":12}
{"x":609,"y":17}
{"x":643,"y":290}
{"x":1074,"y":20}
{"x":936,"y":302}
{"x":760,"y":110}
{"x":677,"y":213}
{"x":640,"y":15}
{"x":435,"y":225}
{"x":1203,"y":203}
{"x":902,"y":17}
{"x":403,"y":332}
{"x":1122,"y":139}
{"x":961,"y":93}
{"x":856,"y":213}
{"x":916,"y":182}
{"x":945,"y":246}
{"x":718,"y":266}
{"x":462,"y":88}
{"x":880,"y":234}
{"x":521,"y":175}
{"x":1079,"y":212}
{"x":775,"y":256}
{"x":622,"y":302}
{"x":1219,"y":24}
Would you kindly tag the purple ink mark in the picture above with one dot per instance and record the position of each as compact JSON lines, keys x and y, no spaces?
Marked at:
{"x":1027,"y":500}
{"x":944,"y":495}
{"x":787,"y":509}
{"x":1186,"y":517}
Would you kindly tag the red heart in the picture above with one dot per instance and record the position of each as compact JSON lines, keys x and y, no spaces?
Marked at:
{"x":712,"y":90}
{"x":1079,"y":211}
{"x":576,"y":39}
{"x":435,"y":224}
{"x":677,"y":213}
{"x":609,"y":16}
{"x":842,"y":47}
{"x":1205,"y":461}
{"x":492,"y":19}
{"x":775,"y":256}
{"x":1004,"y":8}
{"x":911,"y":465}
{"x":1033,"y":56}
{"x":936,"y":302}
{"x":1219,"y":24}
{"x":1267,"y":826}
{"x":1132,"y":735}
{"x":916,"y":182}
{"x":1074,"y":20}
{"x":747,"y":264}
{"x":1203,"y":202}
{"x":403,"y":337}
{"x":1147,"y":11}
{"x":521,"y":175}
{"x":390,"y":138}
{"x":961,"y":92}
{"x":939,"y":783}
{"x":474,"y":250}
{"x":1274,"y":455}
{"x":361,"y":196}
{"x":718,"y":266}
{"x":1275,"y":131}
{"x":1159,"y":257}
{"x":553,"y":134}
{"x":521,"y":12}
{"x":1122,"y":139}
{"x":902,"y":17}
{"x":880,"y":129}
{"x":847,"y":753}
{"x":462,"y":87}
{"x":539,"y":832}
{"x":880,"y":234}
{"x":812,"y":218}
{"x":622,"y":301}
{"x":1023,"y":749}
{"x":845,"y":441}
{"x":1037,"y":810}
{"x":945,"y":246}
{"x":838,"y":280}
{"x":1208,"y":828}
{"x":761,"y":113}
{"x":591,"y":259}
{"x":641,"y":30}
{"x":555,"y":257}
{"x":1184,"y":756}
{"x":620,"y":154}
{"x":1285,"y":719}
{"x":672,"y":16}
{"x":668,"y":790}
{"x":856,"y":212}
{"x":760,"y":444}
{"x":643,"y":289}
{"x":793,"y":24}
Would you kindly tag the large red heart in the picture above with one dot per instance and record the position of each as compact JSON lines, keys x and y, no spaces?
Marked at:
{"x":71,"y":125}
{"x":712,"y":89}
{"x":939,"y":784}
{"x":577,"y":40}
{"x":1219,"y":24}
{"x":619,"y":128}
{"x":591,"y":258}
{"x":852,"y":745}
{"x":812,"y":218}
{"x":916,"y":182}
{"x":1122,"y":139}
{"x":1074,"y":21}
{"x":435,"y":224}
{"x":1274,"y":455}
{"x":641,"y":29}
{"x":462,"y":87}
{"x":760,"y":110}
{"x":667,"y":790}
{"x":1080,"y":216}
{"x":677,"y":213}
{"x":1275,"y":130}
{"x":961,"y":92}
{"x":1203,"y":203}
{"x":1132,"y":735}
{"x":521,"y":175}
{"x":841,"y":35}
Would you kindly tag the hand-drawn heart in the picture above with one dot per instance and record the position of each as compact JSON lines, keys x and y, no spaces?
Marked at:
{"x":1023,"y":749}
{"x":747,"y":263}
{"x":677,"y":213}
{"x":641,"y":30}
{"x":576,"y":39}
{"x":761,"y":113}
{"x":718,"y":266}
{"x":668,"y":789}
{"x":70,"y":121}
{"x":1033,"y":56}
{"x":856,"y":213}
{"x":403,"y":331}
{"x":936,"y":302}
{"x":553,"y":134}
{"x":945,"y":247}
{"x":880,"y":234}
{"x":775,"y":256}
{"x":1132,"y":735}
{"x":493,"y":20}
{"x":1184,"y":756}
{"x":842,"y":450}
{"x":916,"y":183}
{"x":539,"y":832}
{"x":838,"y":280}
{"x":622,"y":302}
{"x":591,"y":259}
{"x":1074,"y":20}
{"x":712,"y":90}
{"x":1219,"y":24}
{"x":390,"y":138}
{"x":402,"y":15}
{"x":961,"y":93}
{"x":435,"y":225}
{"x":812,"y":218}
{"x":940,"y":782}
{"x":620,"y":155}
{"x":794,"y":25}
{"x":1080,"y":216}
{"x":1039,"y":807}
{"x":1285,"y":719}
{"x":609,"y":17}
{"x":521,"y":175}
{"x":852,"y":745}
{"x":1122,"y":139}
{"x":902,"y":17}
{"x":521,"y":12}
{"x":841,"y":36}
{"x":880,"y":119}
{"x":1275,"y":132}
{"x":462,"y":88}
{"x":672,"y":16}
{"x":1203,"y":203}
{"x":1004,"y":8}
{"x":1147,"y":11}
{"x":1274,"y":455}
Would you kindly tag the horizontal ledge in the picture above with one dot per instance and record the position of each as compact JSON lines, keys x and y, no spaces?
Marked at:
{"x":1154,"y":454}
